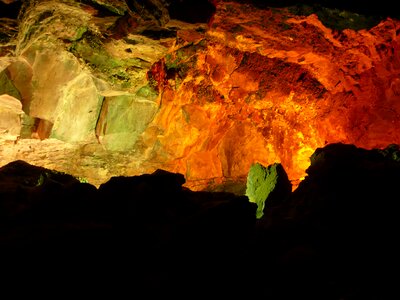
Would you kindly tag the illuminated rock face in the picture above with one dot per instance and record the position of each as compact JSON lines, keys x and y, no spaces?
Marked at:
{"x":267,"y":86}
{"x":10,"y":115}
{"x":117,"y":92}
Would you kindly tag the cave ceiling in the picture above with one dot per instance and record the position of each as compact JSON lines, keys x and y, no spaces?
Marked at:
{"x":101,"y":88}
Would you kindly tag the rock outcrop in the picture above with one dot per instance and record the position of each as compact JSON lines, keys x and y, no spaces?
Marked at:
{"x":267,"y":186}
{"x":205,"y":89}
{"x":10,"y":116}
{"x":332,"y":238}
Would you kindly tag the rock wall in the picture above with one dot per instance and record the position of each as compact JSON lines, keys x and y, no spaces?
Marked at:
{"x":270,"y":86}
{"x":122,"y":88}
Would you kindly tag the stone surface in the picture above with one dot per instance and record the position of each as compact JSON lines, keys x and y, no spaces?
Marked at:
{"x":10,"y":116}
{"x":294,"y":83}
{"x":267,"y":186}
{"x":20,"y":73}
{"x":123,"y":118}
{"x":7,"y":86}
{"x":51,"y":72}
{"x":77,"y":110}
{"x":253,"y":84}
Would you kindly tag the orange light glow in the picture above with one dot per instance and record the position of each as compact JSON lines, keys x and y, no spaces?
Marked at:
{"x":253,"y":92}
{"x":255,"y":85}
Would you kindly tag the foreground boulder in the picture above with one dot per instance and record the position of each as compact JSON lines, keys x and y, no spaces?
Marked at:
{"x":332,"y":238}
{"x":336,"y":232}
{"x":147,"y":225}
{"x":267,"y":184}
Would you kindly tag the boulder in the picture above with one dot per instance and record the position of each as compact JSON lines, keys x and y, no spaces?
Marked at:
{"x":267,"y":186}
{"x":10,"y":115}
{"x":122,"y":119}
{"x":7,"y":86}
{"x":77,"y":110}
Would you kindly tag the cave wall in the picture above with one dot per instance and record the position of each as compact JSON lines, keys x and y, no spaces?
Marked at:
{"x":125,"y":87}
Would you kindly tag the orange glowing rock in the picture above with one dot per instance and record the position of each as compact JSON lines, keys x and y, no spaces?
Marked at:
{"x":267,"y":86}
{"x":254,"y":85}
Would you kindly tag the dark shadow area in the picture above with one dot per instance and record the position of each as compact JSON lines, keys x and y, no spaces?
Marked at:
{"x":157,"y":34}
{"x":335,"y":237}
{"x":191,"y":11}
{"x":381,"y":8}
{"x":10,"y":10}
{"x":338,"y":15}
{"x":102,"y":10}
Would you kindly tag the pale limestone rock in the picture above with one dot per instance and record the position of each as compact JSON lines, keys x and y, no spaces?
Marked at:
{"x":62,"y":90}
{"x":52,"y":71}
{"x":122,"y":119}
{"x":48,"y":22}
{"x":132,"y":57}
{"x":10,"y":116}
{"x":77,"y":111}
{"x":6,"y":85}
{"x":20,"y":73}
{"x":4,"y":63}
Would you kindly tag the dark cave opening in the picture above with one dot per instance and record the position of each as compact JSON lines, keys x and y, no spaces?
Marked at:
{"x":10,"y":10}
{"x":191,"y":11}
{"x":383,"y":8}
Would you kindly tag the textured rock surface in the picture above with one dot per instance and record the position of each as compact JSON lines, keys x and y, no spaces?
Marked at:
{"x":267,"y":186}
{"x":277,"y":86}
{"x":123,"y":118}
{"x":10,"y":116}
{"x":206,"y":100}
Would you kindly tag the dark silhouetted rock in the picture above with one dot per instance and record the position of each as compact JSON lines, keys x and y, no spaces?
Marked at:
{"x":334,"y":237}
{"x":345,"y":211}
{"x":49,"y":220}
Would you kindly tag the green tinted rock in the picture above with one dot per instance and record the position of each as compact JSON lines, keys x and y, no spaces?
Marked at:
{"x":7,"y":87}
{"x":77,"y":110}
{"x":267,"y":185}
{"x":122,"y":119}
